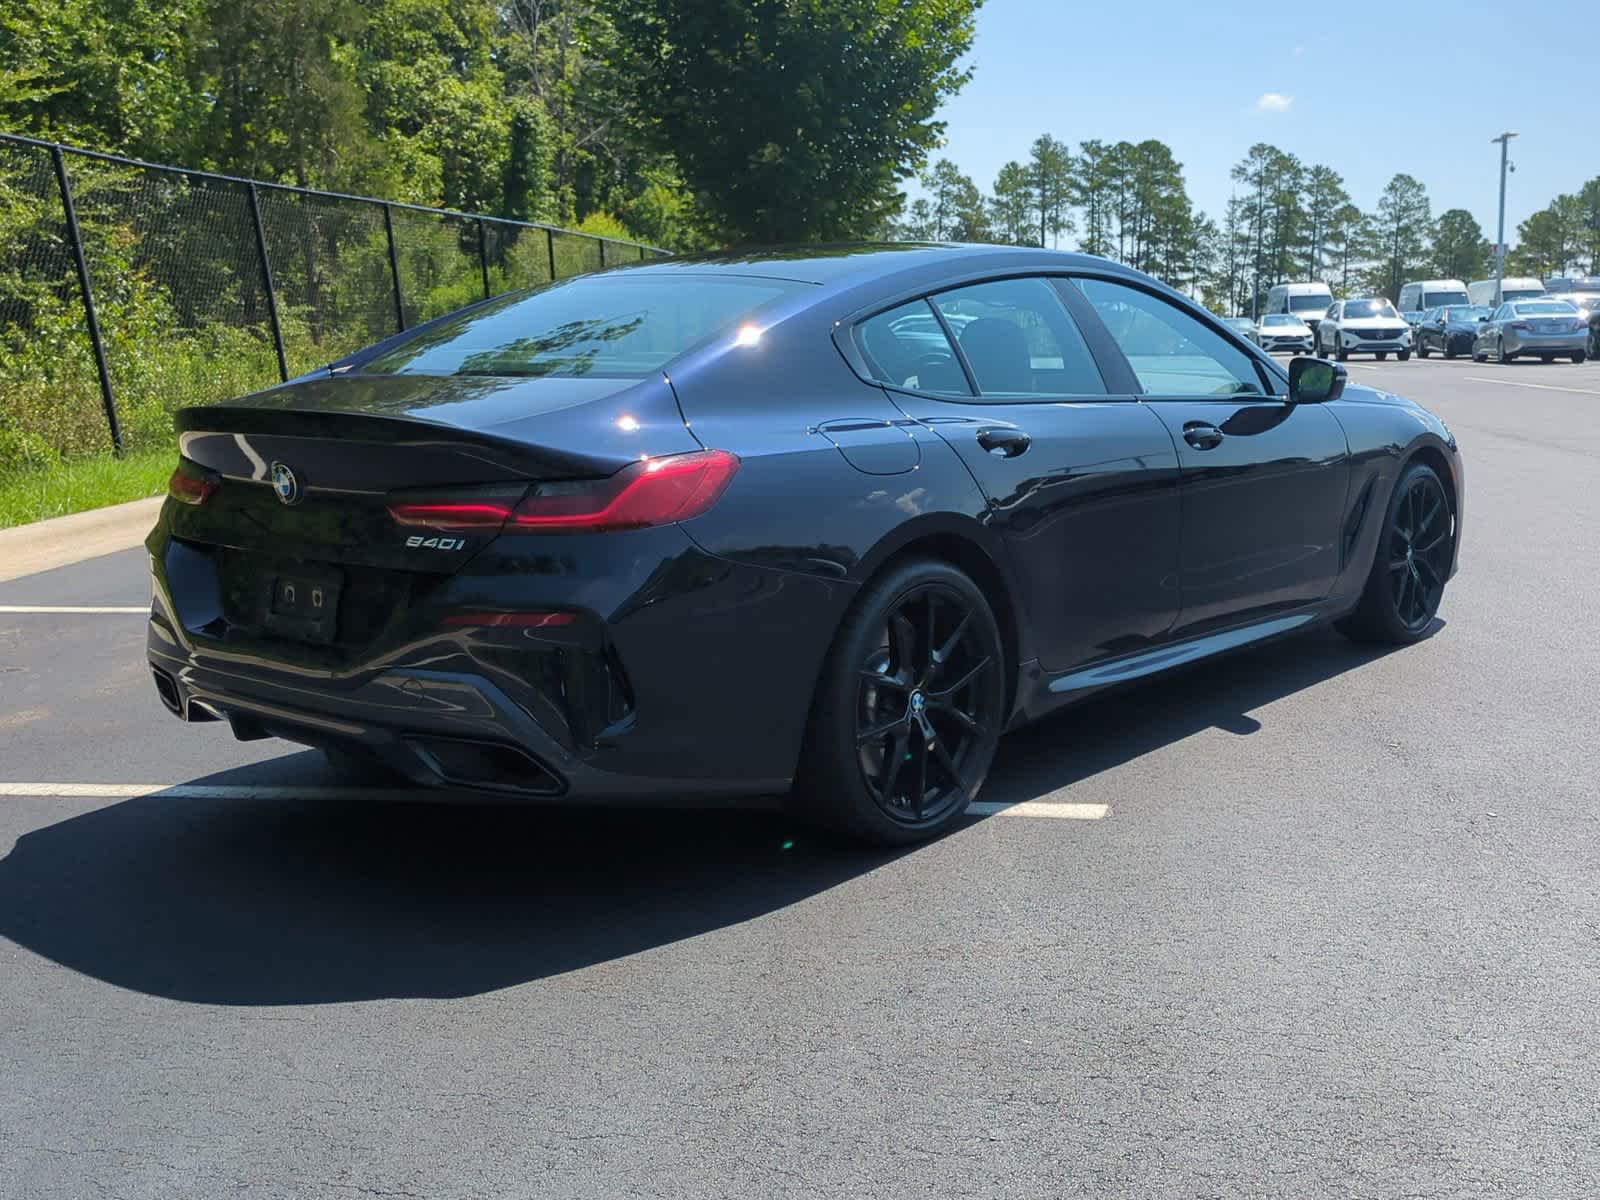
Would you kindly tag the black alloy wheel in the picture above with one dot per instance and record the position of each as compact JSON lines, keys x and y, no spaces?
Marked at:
{"x":1422,"y":348}
{"x":910,"y":707}
{"x":1412,"y":563}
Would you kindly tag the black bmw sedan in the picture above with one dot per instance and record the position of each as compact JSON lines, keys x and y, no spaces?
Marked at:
{"x":824,"y":523}
{"x":1450,"y":330}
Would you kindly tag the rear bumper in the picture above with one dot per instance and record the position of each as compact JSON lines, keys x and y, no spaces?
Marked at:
{"x":682,"y":675}
{"x":1557,"y":343}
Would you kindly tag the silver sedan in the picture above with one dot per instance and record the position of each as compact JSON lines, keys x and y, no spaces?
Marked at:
{"x":1547,"y":328}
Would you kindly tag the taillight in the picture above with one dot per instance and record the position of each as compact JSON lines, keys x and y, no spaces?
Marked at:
{"x":655,"y":491}
{"x":191,"y":485}
{"x":1522,"y":325}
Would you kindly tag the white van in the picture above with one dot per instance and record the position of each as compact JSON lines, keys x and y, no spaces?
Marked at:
{"x":1422,"y":294}
{"x":1308,"y":301}
{"x":1481,"y":291}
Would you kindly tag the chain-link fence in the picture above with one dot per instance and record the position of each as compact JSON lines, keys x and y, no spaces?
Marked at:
{"x":128,"y":290}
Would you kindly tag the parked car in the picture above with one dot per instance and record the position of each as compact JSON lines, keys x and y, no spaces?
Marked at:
{"x":1283,"y":331}
{"x":1366,"y":326}
{"x":1450,"y":330}
{"x":1512,"y":287}
{"x":1245,"y":326}
{"x":1588,"y":305}
{"x":1308,"y":301}
{"x":502,"y":552}
{"x":1571,"y":287}
{"x":1420,"y":295}
{"x":1547,"y":328}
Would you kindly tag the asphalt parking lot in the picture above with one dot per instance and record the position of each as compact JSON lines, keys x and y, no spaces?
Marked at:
{"x":1319,"y":921}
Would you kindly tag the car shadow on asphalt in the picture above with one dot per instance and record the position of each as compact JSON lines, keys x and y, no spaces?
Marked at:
{"x":278,"y":902}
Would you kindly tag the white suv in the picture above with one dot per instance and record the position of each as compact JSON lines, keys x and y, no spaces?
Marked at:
{"x":1368,"y":326}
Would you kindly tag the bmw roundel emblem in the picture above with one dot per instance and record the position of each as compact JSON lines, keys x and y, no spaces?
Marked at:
{"x":284,"y":484}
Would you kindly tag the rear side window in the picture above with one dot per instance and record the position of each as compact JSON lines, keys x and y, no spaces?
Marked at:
{"x":1018,"y":339}
{"x":906,"y":347}
{"x":619,"y":326}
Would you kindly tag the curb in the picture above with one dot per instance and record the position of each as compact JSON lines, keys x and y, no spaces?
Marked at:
{"x":61,"y":541}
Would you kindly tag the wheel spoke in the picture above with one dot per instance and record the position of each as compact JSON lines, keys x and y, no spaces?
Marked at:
{"x":889,"y":681}
{"x":1434,"y":544}
{"x":948,"y":765}
{"x":965,"y":720}
{"x":1426,"y":523}
{"x":942,"y":654}
{"x":896,"y":758}
{"x":878,"y":732}
{"x":983,"y":665}
{"x":1395,"y":564}
{"x":1424,"y":565}
{"x":903,"y":639}
{"x":920,"y":778}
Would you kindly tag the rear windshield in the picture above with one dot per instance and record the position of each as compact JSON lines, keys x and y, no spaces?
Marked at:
{"x":1313,"y":303}
{"x":1368,"y":308}
{"x":1466,"y":312}
{"x":1507,"y":295}
{"x":1545,"y":308}
{"x":618,"y":326}
{"x":1435,"y":299}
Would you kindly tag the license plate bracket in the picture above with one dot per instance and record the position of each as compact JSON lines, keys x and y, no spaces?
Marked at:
{"x":304,"y":604}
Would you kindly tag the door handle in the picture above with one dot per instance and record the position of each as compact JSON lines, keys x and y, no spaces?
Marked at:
{"x":1007,"y":443}
{"x":1202,"y":435}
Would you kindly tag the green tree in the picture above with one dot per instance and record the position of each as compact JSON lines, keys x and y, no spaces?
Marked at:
{"x":1324,"y":195}
{"x":1548,"y":241}
{"x":1460,"y":251}
{"x":957,"y":206}
{"x":1399,"y":232}
{"x":794,"y":119}
{"x":1092,"y":192}
{"x":1588,"y":218}
{"x":1049,"y":170}
{"x":1011,"y":207}
{"x":1345,"y":241}
{"x":111,"y":74}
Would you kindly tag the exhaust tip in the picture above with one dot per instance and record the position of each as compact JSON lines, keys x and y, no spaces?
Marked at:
{"x":492,"y":766}
{"x":167,"y":688}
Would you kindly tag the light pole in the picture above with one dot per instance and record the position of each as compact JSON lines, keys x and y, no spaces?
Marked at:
{"x":1500,"y":231}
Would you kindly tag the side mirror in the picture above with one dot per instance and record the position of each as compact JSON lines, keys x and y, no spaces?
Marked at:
{"x":1482,"y":320}
{"x":1315,"y":380}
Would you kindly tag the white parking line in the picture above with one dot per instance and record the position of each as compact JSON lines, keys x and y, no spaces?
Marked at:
{"x":1057,"y":809}
{"x":1543,"y":387}
{"x":1048,"y":809}
{"x":142,"y":610}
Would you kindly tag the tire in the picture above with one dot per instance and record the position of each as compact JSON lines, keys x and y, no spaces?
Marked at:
{"x":1449,"y":351}
{"x":1381,"y":355}
{"x":904,"y":725}
{"x":1403,"y":355}
{"x":1341,"y":353}
{"x":1409,"y":566}
{"x":1478,"y":356}
{"x":1579,"y":357}
{"x":1500,"y":353}
{"x":1547,"y":358}
{"x":1422,"y":349}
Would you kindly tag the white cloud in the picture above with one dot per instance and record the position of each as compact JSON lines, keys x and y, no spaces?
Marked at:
{"x":1273,"y":102}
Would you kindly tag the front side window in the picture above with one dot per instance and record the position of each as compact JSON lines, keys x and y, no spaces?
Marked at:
{"x":1019,"y":340}
{"x":619,"y":326}
{"x":1171,"y":352}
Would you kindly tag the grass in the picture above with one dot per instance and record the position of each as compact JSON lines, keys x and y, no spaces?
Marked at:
{"x":34,"y":493}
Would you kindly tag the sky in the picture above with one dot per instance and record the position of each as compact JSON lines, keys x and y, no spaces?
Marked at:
{"x":1210,"y":78}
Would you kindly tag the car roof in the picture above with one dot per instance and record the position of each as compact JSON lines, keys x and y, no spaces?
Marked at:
{"x":865,"y":261}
